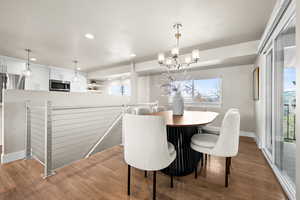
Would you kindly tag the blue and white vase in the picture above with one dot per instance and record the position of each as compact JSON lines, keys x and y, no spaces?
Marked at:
{"x":178,"y":104}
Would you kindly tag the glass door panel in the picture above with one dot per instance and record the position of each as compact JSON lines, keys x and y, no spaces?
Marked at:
{"x":269,"y":104}
{"x":285,"y":101}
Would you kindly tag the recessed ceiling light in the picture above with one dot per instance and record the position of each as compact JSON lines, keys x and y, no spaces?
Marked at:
{"x":132,"y":55}
{"x":32,"y":59}
{"x":78,"y":68}
{"x":89,"y":36}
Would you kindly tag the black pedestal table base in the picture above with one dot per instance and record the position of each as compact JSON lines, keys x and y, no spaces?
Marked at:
{"x":187,"y":159}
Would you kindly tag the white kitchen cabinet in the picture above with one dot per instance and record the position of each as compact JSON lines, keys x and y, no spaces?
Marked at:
{"x":39,"y":79}
{"x":14,"y":66}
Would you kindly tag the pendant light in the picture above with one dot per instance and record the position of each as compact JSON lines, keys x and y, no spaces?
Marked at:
{"x":27,"y":71}
{"x":75,"y":78}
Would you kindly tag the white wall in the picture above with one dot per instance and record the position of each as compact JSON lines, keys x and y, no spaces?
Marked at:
{"x":143,"y":88}
{"x":14,"y":123}
{"x":260,"y":109}
{"x":236,"y":92}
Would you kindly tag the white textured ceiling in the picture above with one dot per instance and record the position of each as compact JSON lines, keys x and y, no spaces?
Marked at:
{"x":55,"y":29}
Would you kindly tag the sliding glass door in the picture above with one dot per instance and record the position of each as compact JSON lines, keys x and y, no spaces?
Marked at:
{"x":284,"y":101}
{"x":280,"y":138}
{"x":269,"y":136}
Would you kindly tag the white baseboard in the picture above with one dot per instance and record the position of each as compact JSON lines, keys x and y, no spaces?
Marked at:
{"x":248,"y":134}
{"x":6,"y":158}
{"x":252,"y":135}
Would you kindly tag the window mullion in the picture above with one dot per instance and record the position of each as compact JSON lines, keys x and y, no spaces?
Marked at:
{"x":193,"y":88}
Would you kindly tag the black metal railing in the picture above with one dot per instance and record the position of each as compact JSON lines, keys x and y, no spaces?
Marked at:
{"x":290,"y":121}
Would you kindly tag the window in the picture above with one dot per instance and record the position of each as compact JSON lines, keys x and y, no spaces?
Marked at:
{"x":115,"y":90}
{"x":125,"y":90}
{"x":120,"y":88}
{"x":200,"y":91}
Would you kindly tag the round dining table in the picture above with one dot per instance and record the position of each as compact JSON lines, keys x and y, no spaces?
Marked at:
{"x":180,"y":130}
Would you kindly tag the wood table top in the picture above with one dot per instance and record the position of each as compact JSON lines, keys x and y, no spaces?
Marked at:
{"x":189,"y":118}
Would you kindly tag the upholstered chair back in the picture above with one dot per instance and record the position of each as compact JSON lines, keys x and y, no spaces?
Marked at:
{"x":145,"y":142}
{"x":228,"y":142}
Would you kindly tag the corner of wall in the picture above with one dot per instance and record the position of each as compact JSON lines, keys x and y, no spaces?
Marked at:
{"x":10,"y":157}
{"x":258,"y":142}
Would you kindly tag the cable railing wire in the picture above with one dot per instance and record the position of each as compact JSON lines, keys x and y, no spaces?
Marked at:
{"x":59,"y":135}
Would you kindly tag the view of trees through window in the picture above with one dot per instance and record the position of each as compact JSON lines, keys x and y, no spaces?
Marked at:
{"x":120,"y":90}
{"x":205,"y":91}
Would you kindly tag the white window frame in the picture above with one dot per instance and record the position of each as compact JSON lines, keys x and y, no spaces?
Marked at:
{"x":121,"y":86}
{"x":204,"y":104}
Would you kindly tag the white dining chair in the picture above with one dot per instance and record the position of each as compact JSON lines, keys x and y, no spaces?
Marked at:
{"x":159,"y":108}
{"x":208,"y":129}
{"x":225,"y":145}
{"x":146,"y":146}
{"x":142,"y":110}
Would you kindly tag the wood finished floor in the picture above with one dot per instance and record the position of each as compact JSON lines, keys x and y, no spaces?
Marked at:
{"x":104,"y":176}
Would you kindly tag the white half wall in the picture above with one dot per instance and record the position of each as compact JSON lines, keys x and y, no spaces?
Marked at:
{"x":14,"y":120}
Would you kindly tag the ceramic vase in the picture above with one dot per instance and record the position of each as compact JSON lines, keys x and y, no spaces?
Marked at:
{"x":178,"y":104}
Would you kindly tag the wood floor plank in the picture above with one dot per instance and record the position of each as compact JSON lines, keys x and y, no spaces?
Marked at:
{"x":103,"y":176}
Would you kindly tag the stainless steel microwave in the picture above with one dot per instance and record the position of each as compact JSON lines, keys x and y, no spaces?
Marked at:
{"x":61,"y":86}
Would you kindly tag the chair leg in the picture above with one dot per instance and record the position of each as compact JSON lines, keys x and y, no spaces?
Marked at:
{"x":202,"y":160}
{"x":196,"y":172}
{"x":172,"y":184}
{"x":154,"y":185}
{"x":128,"y":183}
{"x":205,"y":159}
{"x":145,"y":174}
{"x":227,"y":166}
